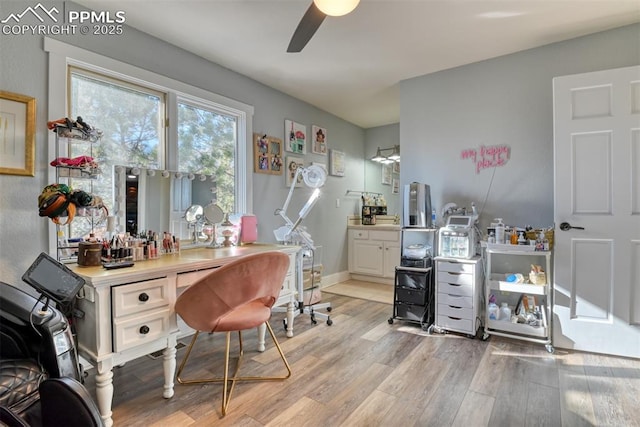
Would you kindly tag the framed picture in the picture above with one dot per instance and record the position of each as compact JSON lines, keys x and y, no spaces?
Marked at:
{"x":295,"y":135}
{"x":395,"y":186}
{"x":292,"y":164}
{"x":396,"y":167}
{"x":17,"y":134}
{"x":337,"y":163}
{"x":318,"y":140}
{"x":386,"y":174}
{"x":267,"y":154}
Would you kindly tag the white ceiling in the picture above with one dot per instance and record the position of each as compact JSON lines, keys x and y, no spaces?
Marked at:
{"x":352,"y":65}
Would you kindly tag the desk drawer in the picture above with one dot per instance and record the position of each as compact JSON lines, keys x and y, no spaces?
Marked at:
{"x":455,"y":324}
{"x":455,"y":289}
{"x":188,"y":279}
{"x":455,"y":312}
{"x":141,"y":296}
{"x":455,"y":300}
{"x":459,"y":278}
{"x":140,"y":329}
{"x":455,"y":267}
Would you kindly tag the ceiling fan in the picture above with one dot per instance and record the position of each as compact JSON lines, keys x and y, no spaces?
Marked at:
{"x":313,"y":17}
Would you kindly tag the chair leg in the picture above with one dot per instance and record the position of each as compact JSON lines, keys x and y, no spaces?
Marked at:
{"x":182,"y":380}
{"x":229,"y":382}
{"x":226,"y":396}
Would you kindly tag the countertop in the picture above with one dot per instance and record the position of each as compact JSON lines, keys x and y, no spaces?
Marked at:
{"x":391,"y":227}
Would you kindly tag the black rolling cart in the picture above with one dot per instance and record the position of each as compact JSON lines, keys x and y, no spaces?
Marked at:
{"x":413,"y":296}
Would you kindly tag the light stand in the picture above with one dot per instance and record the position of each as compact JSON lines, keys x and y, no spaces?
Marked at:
{"x":314,"y":177}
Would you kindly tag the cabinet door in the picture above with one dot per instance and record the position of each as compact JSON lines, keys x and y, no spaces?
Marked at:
{"x":391,"y":258}
{"x":367,"y":257}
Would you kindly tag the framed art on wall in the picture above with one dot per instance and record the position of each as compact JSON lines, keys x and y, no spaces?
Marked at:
{"x":295,"y":137}
{"x":318,"y":140}
{"x":293,"y":163}
{"x":267,"y":154}
{"x":17,"y":134}
{"x":337,"y":163}
{"x":386,"y":174}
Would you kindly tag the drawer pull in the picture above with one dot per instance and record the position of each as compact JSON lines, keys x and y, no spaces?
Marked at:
{"x":144,"y":329}
{"x":143,"y":297}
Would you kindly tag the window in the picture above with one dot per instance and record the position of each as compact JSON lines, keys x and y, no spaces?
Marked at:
{"x":207,"y":144}
{"x":136,"y":110}
{"x":131,"y":118}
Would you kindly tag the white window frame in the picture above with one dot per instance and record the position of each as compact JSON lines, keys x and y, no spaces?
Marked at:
{"x":63,"y":55}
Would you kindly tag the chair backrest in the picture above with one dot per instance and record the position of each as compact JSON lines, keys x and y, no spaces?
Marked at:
{"x":253,"y":279}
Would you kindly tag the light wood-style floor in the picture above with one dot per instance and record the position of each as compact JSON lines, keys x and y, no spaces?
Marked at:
{"x":363,"y":371}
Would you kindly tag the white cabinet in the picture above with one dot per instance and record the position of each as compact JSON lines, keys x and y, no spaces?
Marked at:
{"x":458,"y":295}
{"x":536,"y":298}
{"x":374,"y":253}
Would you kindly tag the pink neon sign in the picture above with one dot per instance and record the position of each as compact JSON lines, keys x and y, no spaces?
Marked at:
{"x":487,"y":156}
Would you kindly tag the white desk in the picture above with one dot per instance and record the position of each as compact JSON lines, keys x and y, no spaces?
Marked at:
{"x":129,"y":312}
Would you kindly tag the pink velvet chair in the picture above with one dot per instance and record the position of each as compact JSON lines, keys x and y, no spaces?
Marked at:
{"x":235,"y":297}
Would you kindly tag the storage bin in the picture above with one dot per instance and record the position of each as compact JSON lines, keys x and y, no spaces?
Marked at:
{"x":411,"y":296}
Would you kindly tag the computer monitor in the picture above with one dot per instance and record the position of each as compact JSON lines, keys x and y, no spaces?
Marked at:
{"x":53,"y":279}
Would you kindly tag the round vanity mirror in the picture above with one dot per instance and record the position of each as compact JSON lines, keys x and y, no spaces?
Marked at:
{"x":213,"y":213}
{"x":193,"y":214}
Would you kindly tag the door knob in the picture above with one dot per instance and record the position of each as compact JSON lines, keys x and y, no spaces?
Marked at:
{"x":565,"y":226}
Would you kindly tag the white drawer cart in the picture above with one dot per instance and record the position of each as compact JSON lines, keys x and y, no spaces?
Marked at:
{"x":501,"y":263}
{"x":458,"y":295}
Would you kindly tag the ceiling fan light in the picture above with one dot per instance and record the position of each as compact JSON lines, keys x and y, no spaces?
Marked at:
{"x":336,"y":7}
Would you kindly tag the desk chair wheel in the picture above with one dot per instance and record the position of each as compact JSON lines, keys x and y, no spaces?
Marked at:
{"x":390,"y":320}
{"x":328,"y":308}
{"x":329,"y":322}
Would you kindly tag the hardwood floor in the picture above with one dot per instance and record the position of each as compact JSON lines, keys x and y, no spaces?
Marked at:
{"x":362,"y":371}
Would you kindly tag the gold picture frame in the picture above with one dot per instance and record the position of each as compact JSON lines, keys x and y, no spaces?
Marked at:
{"x":17,"y":134}
{"x":267,"y":154}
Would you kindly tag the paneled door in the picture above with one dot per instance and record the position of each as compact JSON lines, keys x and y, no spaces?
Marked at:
{"x":597,"y":211}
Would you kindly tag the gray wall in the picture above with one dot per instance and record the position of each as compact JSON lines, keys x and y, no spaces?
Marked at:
{"x":24,"y":70}
{"x":506,"y":100}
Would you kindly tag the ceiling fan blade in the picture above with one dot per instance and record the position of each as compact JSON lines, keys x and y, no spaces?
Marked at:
{"x":307,"y":27}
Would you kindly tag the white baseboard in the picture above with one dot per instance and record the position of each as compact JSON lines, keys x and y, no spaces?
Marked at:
{"x":343,"y":276}
{"x":332,"y":279}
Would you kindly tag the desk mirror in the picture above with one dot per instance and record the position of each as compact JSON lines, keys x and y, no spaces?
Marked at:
{"x":161,"y":200}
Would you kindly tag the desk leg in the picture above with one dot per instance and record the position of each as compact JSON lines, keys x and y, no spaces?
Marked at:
{"x":262,"y":329}
{"x":290,"y":317}
{"x":104,"y":390}
{"x":169,"y":365}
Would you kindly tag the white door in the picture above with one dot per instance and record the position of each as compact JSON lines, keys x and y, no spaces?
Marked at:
{"x":597,"y":187}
